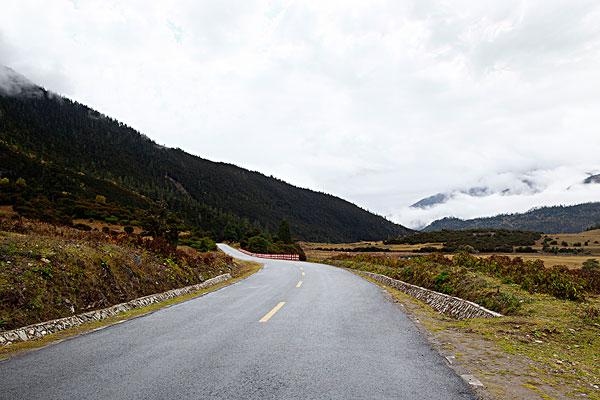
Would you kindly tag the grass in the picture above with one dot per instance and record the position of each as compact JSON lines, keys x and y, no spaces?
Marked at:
{"x":548,"y":350}
{"x":49,"y":272}
{"x":246,"y":269}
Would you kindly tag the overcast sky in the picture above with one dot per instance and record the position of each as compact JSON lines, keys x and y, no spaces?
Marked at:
{"x":379,"y":102}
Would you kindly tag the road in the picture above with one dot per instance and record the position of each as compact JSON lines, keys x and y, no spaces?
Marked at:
{"x":333,"y":336}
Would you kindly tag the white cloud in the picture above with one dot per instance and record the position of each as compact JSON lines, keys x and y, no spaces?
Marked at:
{"x":380,"y":102}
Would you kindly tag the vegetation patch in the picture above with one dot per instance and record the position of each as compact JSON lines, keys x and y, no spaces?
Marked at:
{"x":484,"y":280}
{"x":49,"y":272}
{"x":281,"y":243}
{"x":480,"y":240}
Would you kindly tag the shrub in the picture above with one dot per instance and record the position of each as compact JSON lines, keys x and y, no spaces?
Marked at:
{"x":128,"y":229}
{"x":82,"y":227}
{"x":590,"y":264}
{"x":258,"y":244}
{"x":111,"y":219}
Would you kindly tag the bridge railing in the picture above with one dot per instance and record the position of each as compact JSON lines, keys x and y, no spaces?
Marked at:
{"x":290,"y":257}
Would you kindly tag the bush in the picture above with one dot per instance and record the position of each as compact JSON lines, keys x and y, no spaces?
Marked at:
{"x":525,"y":249}
{"x":258,"y":244}
{"x":203,"y":244}
{"x":128,"y":229}
{"x":82,"y":227}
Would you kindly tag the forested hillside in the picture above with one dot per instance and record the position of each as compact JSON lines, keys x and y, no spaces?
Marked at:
{"x":558,"y":219}
{"x":74,"y":162}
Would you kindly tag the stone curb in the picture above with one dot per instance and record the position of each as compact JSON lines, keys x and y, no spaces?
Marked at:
{"x":449,"y":305}
{"x":41,"y":329}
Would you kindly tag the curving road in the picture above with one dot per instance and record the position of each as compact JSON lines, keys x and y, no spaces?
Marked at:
{"x":333,"y":336}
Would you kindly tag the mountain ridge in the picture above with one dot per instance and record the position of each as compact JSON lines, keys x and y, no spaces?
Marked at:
{"x":73,"y":137}
{"x":547,"y":219}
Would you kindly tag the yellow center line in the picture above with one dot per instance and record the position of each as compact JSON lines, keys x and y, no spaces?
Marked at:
{"x":272,"y":312}
{"x":299,"y":284}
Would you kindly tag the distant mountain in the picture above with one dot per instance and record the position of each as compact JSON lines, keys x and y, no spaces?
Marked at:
{"x":523,"y":186}
{"x":438,"y":198}
{"x":557,"y":219}
{"x":592,"y":179}
{"x":77,"y":163}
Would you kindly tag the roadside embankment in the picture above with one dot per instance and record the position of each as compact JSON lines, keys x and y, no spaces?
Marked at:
{"x":443,"y":303}
{"x":49,"y":272}
{"x":39,"y":330}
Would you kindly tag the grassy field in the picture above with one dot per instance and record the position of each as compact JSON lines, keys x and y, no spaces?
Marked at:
{"x":322,"y":251}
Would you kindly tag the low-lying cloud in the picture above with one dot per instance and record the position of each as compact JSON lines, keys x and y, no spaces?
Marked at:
{"x":560,"y":186}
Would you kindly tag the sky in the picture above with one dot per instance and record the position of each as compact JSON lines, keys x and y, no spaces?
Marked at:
{"x":379,"y":102}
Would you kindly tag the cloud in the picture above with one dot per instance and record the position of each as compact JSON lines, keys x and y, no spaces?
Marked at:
{"x":15,"y":84}
{"x":382,"y":103}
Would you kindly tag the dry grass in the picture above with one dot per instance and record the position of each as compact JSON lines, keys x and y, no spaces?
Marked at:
{"x":49,"y":272}
{"x":314,"y":250}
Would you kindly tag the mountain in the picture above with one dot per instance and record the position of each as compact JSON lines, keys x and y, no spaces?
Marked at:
{"x":433,"y":200}
{"x":592,"y":179}
{"x":556,"y":219}
{"x":77,"y":163}
{"x":502,"y":185}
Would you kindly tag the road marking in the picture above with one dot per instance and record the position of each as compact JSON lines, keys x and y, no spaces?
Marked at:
{"x":299,"y":284}
{"x":303,"y":274}
{"x":301,"y":269}
{"x":272,"y":312}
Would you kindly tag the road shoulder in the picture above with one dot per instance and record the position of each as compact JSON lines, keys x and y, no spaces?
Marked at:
{"x":472,"y":355}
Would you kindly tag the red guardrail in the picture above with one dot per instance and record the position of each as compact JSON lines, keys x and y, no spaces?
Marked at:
{"x":290,"y":257}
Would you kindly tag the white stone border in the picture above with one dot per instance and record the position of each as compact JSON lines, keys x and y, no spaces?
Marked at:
{"x":41,"y":329}
{"x":443,"y":303}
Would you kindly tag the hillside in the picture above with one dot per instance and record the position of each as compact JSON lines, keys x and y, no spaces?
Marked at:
{"x":68,"y":154}
{"x":557,"y":219}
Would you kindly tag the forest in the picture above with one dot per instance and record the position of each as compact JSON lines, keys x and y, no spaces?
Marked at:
{"x":61,"y":160}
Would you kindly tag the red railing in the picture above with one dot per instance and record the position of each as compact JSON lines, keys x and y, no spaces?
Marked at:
{"x":290,"y":257}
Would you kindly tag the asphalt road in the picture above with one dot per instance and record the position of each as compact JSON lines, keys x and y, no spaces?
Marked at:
{"x":334,"y":336}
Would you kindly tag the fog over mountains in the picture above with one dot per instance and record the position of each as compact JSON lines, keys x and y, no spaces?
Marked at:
{"x":507,"y":193}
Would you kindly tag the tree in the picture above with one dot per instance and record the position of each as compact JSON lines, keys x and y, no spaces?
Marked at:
{"x":283,"y":233}
{"x":258,"y":244}
{"x":4,"y":182}
{"x":230,"y":232}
